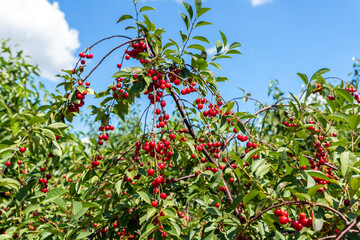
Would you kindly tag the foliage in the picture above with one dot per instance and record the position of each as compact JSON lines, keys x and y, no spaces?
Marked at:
{"x":202,"y":172}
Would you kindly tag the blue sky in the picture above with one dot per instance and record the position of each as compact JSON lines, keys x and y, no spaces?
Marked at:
{"x":279,"y":37}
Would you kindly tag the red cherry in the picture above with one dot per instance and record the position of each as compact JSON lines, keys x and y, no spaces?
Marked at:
{"x":283,"y":220}
{"x":150,"y":172}
{"x":44,"y":190}
{"x":127,"y":57}
{"x":302,"y":215}
{"x":172,"y":136}
{"x":22,"y":149}
{"x":163,"y":196}
{"x":8,"y":163}
{"x":217,"y":205}
{"x":161,"y":165}
{"x":118,"y":65}
{"x":278,"y":212}
{"x":154,"y":203}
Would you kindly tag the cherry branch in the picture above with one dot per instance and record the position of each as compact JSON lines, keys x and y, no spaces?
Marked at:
{"x":345,"y":230}
{"x":132,"y":40}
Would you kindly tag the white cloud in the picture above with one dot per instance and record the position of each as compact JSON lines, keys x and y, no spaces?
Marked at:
{"x":259,"y":2}
{"x":41,"y":30}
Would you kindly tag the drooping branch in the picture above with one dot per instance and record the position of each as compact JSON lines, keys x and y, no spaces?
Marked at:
{"x":344,"y":231}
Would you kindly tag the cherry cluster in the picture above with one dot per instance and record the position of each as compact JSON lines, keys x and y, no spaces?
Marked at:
{"x":103,"y":135}
{"x":298,"y":224}
{"x":287,"y":124}
{"x":319,"y":88}
{"x":118,"y":89}
{"x":137,"y":48}
{"x":44,"y":181}
{"x":352,"y":91}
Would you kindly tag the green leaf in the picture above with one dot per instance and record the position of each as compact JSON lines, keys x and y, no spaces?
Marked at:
{"x":236,"y":202}
{"x":82,"y":235}
{"x":213,"y":211}
{"x":347,"y":160}
{"x":119,"y":186}
{"x":175,"y":229}
{"x":235,"y":45}
{"x":61,"y":203}
{"x":91,"y":205}
{"x":203,"y":90}
{"x":183,"y":36}
{"x":218,"y":66}
{"x":318,"y":174}
{"x":139,"y":87}
{"x":317,"y":224}
{"x":253,"y":193}
{"x":150,"y":227}
{"x":146,"y":8}
{"x":256,"y":164}
{"x":319,"y":73}
{"x":314,"y":189}
{"x":170,"y":212}
{"x":124,"y":17}
{"x":216,"y":179}
{"x":49,"y":134}
{"x":354,"y":121}
{"x":58,"y":125}
{"x":55,"y":193}
{"x":36,"y":119}
{"x":250,"y":154}
{"x":263,"y":170}
{"x":198,"y":47}
{"x":185,"y":19}
{"x":81,"y":89}
{"x":198,"y":5}
{"x":174,"y":59}
{"x":338,"y":117}
{"x":9,"y":182}
{"x":233,"y":52}
{"x":345,"y":94}
{"x":144,"y":197}
{"x":219,"y":46}
{"x":201,"y":38}
{"x":304,"y":78}
{"x":188,"y":9}
{"x":202,"y":23}
{"x":223,"y":38}
{"x":309,"y":180}
{"x":149,"y":213}
{"x":31,"y":208}
{"x":202,"y":11}
{"x":5,"y":236}
{"x":78,"y":214}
